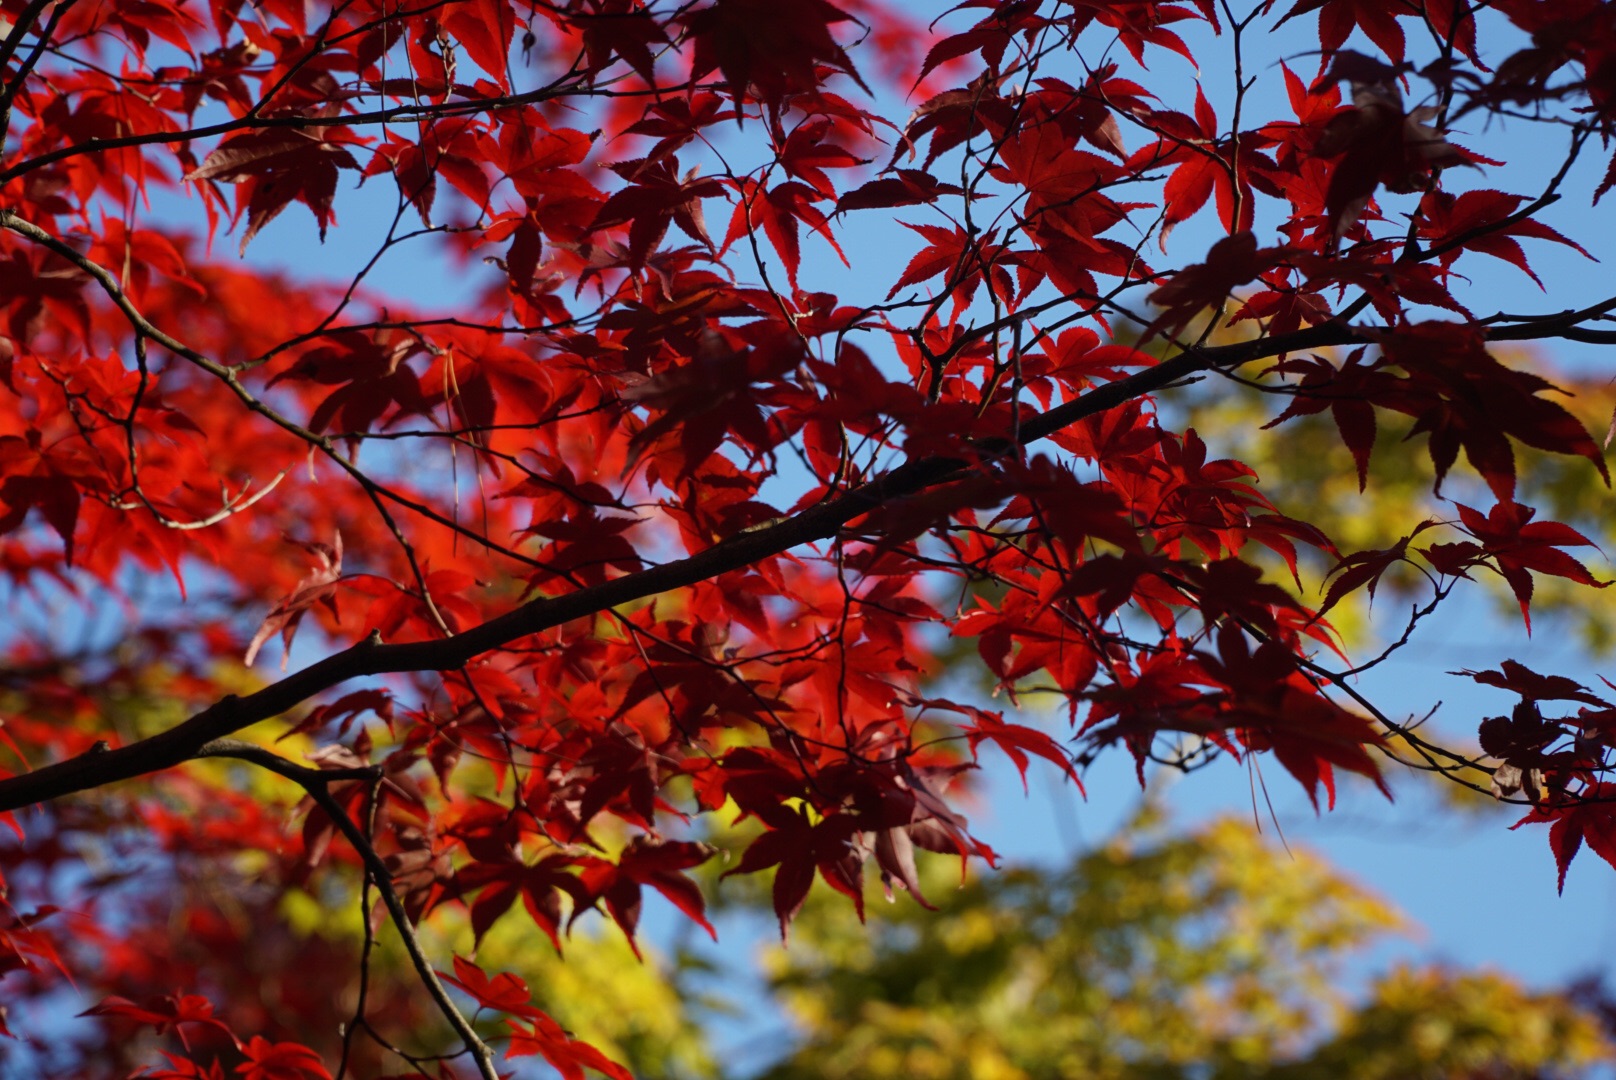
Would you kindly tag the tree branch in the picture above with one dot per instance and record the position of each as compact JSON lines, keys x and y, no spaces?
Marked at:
{"x":317,"y":783}
{"x":371,"y":657}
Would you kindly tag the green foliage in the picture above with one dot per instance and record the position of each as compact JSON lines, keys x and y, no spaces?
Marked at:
{"x":1198,"y":955}
{"x":1442,"y":1023}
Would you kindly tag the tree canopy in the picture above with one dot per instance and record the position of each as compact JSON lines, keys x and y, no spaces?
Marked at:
{"x":743,"y":409}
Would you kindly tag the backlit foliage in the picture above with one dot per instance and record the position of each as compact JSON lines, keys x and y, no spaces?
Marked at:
{"x":723,"y":377}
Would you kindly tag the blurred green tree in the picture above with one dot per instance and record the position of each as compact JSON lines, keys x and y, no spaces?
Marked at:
{"x":1186,"y":954}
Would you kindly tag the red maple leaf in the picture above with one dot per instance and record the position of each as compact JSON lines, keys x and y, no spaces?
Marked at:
{"x":273,"y":167}
{"x":659,"y":864}
{"x":1232,"y":262}
{"x":778,"y":210}
{"x":268,"y":1060}
{"x":1590,"y":816}
{"x":1379,"y":143}
{"x":765,"y":49}
{"x":503,"y":992}
{"x":1479,"y":221}
{"x":1338,"y":18}
{"x":567,"y":1055}
{"x":1517,"y":678}
{"x":1203,"y":164}
{"x":318,"y":586}
{"x":1017,"y":741}
{"x":174,"y":1011}
{"x":1518,"y":546}
{"x":1274,"y":708}
{"x":656,"y":197}
{"x":620,"y":29}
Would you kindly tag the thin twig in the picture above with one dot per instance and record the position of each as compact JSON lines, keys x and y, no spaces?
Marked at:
{"x":317,"y":783}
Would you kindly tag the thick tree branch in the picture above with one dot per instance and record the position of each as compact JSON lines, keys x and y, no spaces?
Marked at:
{"x":821,"y":522}
{"x":372,"y":657}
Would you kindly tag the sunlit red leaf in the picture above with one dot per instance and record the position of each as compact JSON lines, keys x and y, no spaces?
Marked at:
{"x":568,"y":1056}
{"x":1590,"y":817}
{"x":280,"y":1061}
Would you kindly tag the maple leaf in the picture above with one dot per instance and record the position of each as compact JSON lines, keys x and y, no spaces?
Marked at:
{"x":1338,"y":18}
{"x":778,"y":210}
{"x":1519,"y":546}
{"x":1363,"y":568}
{"x":484,"y":28}
{"x":1519,"y":739}
{"x":1377,"y":142}
{"x":767,"y":49}
{"x":175,"y":1010}
{"x":798,"y":846}
{"x":806,"y":155}
{"x":50,"y":483}
{"x":318,"y":586}
{"x":620,"y":29}
{"x":504,"y":879}
{"x":990,"y":38}
{"x":712,"y":397}
{"x":1075,"y":360}
{"x":1479,"y":221}
{"x":1138,"y":25}
{"x":1349,"y":391}
{"x":906,"y":187}
{"x":503,"y":992}
{"x":952,"y":117}
{"x":1590,"y":816}
{"x":140,"y":252}
{"x":275,"y":166}
{"x":676,"y":121}
{"x":1202,"y":165}
{"x":657,"y":197}
{"x":1232,"y":262}
{"x":1017,"y":741}
{"x":567,"y":1055}
{"x":964,"y":259}
{"x":185,"y":1069}
{"x":21,"y":940}
{"x":1517,"y":678}
{"x":1274,"y":708}
{"x":372,"y":377}
{"x":454,"y":149}
{"x":280,"y":1061}
{"x":659,"y":864}
{"x":1459,"y":393}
